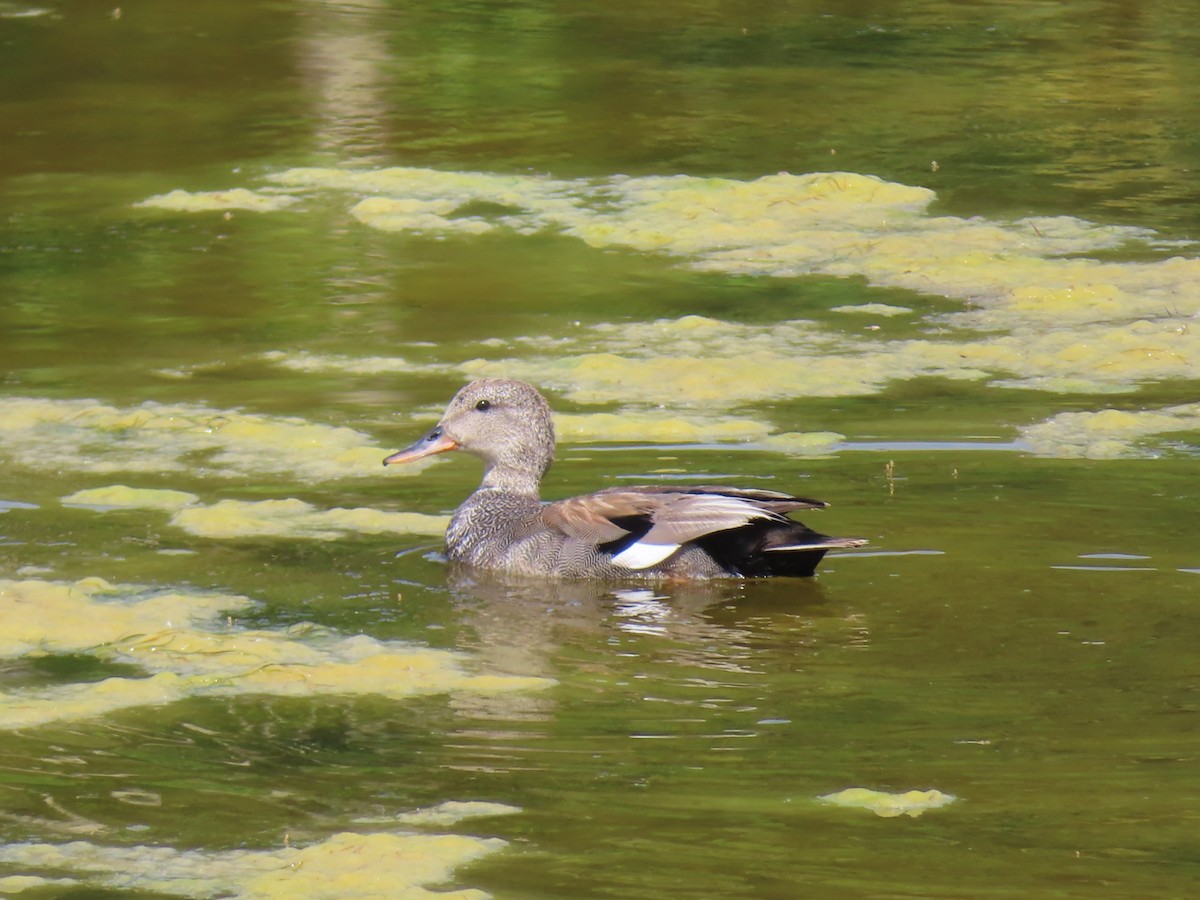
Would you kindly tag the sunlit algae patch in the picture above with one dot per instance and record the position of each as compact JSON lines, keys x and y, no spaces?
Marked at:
{"x":708,"y":361}
{"x":831,"y":223}
{"x":257,"y":518}
{"x":203,"y":201}
{"x":1035,"y":311}
{"x":1107,"y":433}
{"x":295,"y":518}
{"x":189,"y":645}
{"x":120,"y":496}
{"x":713,"y":365}
{"x":83,"y":435}
{"x":345,"y":866}
{"x":888,"y":806}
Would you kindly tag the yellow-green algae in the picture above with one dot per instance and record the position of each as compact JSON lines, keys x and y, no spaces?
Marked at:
{"x":711,"y":362}
{"x":87,"y":436}
{"x":203,"y":201}
{"x":449,"y":812}
{"x":388,"y":214}
{"x":42,"y":617}
{"x":874,"y":309}
{"x":296,"y":518}
{"x":320,"y":362}
{"x":345,"y":866}
{"x":15,"y":884}
{"x":1010,"y":274}
{"x":804,"y":443}
{"x":288,"y":517}
{"x":1108,"y":433}
{"x":889,"y":806}
{"x":532,"y":202}
{"x":120,"y":496}
{"x":642,"y":426}
{"x":1037,"y":312}
{"x":189,"y":645}
{"x":708,"y":361}
{"x":834,"y":223}
{"x":652,"y":427}
{"x":713,"y":366}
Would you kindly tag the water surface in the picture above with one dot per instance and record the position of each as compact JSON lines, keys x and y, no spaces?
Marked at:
{"x":966,"y":317}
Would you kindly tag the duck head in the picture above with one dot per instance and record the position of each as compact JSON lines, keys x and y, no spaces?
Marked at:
{"x":505,"y":423}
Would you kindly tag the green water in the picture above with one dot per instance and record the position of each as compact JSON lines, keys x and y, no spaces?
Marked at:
{"x":1038,"y":662}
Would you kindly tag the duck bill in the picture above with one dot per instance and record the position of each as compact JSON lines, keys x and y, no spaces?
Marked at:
{"x":434,"y":442}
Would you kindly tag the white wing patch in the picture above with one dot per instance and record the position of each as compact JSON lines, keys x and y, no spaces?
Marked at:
{"x":639,"y":555}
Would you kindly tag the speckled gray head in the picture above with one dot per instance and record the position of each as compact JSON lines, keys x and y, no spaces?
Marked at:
{"x":505,"y":423}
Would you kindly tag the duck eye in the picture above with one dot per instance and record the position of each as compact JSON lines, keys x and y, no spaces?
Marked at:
{"x":483,"y":405}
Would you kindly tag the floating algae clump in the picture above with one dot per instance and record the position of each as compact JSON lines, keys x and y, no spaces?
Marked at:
{"x":1035,"y":308}
{"x":295,"y":518}
{"x":1108,"y":433}
{"x":42,"y":617}
{"x":713,"y":366}
{"x":709,"y":362}
{"x":289,"y":517}
{"x":203,"y":201}
{"x":119,"y":496}
{"x":86,"y":436}
{"x":655,"y":428}
{"x":188,"y":645}
{"x":345,"y":866}
{"x":888,"y":806}
{"x":840,"y":224}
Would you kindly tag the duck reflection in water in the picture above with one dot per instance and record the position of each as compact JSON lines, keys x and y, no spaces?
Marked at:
{"x":520,"y":625}
{"x":706,"y":638}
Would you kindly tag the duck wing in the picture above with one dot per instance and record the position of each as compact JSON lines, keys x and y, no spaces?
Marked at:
{"x":601,"y":518}
{"x":644,"y":525}
{"x":774,"y":501}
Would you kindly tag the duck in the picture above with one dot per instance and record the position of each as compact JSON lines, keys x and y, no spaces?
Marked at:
{"x":670,"y":532}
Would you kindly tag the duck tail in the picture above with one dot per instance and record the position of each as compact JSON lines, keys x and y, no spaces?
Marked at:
{"x":763,"y":549}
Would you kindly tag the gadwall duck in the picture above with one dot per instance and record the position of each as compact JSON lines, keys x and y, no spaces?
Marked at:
{"x":648,"y":531}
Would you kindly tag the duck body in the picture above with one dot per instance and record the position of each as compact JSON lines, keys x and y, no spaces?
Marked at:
{"x":646,"y":531}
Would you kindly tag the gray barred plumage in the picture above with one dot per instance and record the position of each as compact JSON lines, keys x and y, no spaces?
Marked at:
{"x":648,"y":531}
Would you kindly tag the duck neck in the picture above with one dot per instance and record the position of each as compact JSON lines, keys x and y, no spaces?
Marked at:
{"x":518,"y":467}
{"x":513,"y":479}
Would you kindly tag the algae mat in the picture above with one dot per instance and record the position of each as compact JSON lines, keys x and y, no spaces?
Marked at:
{"x":933,"y":264}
